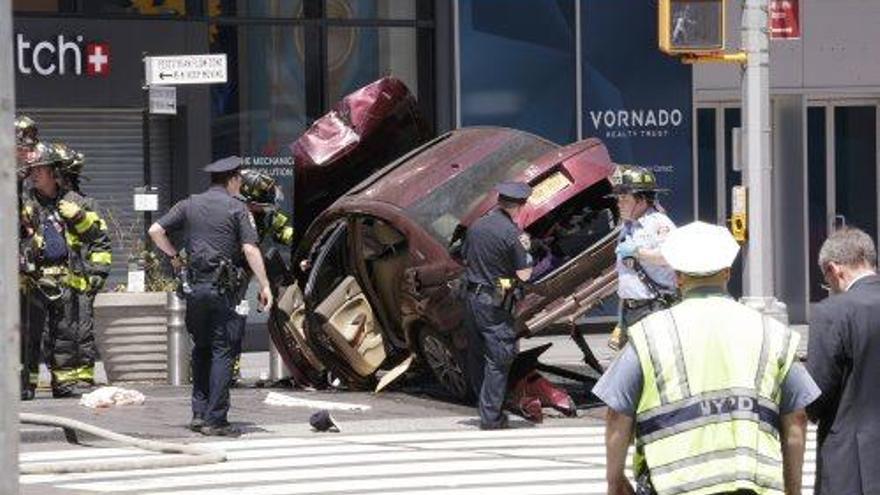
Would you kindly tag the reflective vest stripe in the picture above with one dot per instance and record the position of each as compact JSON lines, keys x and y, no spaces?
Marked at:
{"x":725,"y":478}
{"x":697,"y":398}
{"x":714,"y":456}
{"x":88,"y":220}
{"x":766,"y":420}
{"x":660,"y":372}
{"x":708,"y":411}
{"x":286,"y":235}
{"x":761,"y":371}
{"x":101,"y":258}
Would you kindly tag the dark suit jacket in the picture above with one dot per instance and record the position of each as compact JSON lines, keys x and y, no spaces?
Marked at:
{"x":844,"y":360}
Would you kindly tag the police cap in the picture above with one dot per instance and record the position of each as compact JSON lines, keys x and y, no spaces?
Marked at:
{"x":227,"y":164}
{"x":517,"y":192}
{"x":699,"y":248}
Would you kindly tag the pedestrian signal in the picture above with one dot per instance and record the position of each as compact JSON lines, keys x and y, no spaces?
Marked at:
{"x":691,"y":26}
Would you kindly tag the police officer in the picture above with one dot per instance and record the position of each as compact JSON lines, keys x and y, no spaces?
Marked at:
{"x":495,"y":261}
{"x":646,"y":283}
{"x":220,"y":232}
{"x":66,"y":250}
{"x":259,"y":191}
{"x":709,"y":386}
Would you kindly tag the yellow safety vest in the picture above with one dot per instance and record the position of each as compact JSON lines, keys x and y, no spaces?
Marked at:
{"x":708,"y":417}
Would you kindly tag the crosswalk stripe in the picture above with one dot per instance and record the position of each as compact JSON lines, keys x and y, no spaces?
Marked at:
{"x":542,"y":460}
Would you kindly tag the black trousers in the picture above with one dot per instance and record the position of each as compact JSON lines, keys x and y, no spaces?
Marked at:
{"x":55,"y":323}
{"x":491,"y":349}
{"x":216,"y":332}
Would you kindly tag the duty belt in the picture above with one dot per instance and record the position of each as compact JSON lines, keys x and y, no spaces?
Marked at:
{"x":475,"y":288}
{"x":636,"y":303}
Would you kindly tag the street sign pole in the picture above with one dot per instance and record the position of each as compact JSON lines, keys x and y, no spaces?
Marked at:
{"x":145,"y":131}
{"x":9,"y":326}
{"x":759,"y":264}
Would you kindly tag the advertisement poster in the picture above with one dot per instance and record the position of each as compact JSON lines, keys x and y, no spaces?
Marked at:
{"x":636,"y":99}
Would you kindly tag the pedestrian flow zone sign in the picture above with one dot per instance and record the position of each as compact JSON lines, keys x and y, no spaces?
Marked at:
{"x":185,"y":69}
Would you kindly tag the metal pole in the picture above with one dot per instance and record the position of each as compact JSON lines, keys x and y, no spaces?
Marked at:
{"x":277,"y":369}
{"x":178,"y":350}
{"x":145,"y":131}
{"x":759,"y":284}
{"x":9,"y":345}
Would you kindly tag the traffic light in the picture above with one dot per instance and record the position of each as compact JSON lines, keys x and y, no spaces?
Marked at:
{"x":691,"y":26}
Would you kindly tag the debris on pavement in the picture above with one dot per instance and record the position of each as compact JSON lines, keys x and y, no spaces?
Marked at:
{"x":112,"y":396}
{"x":278,"y":399}
{"x":323,"y":421}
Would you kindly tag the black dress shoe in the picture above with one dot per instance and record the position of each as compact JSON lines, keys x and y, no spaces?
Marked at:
{"x":220,"y":431}
{"x":500,"y":425}
{"x":65,"y":393}
{"x":196,"y":424}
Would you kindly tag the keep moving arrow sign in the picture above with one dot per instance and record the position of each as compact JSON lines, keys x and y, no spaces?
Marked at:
{"x":185,"y":69}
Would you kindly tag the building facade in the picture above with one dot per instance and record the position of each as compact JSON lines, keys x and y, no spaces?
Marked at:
{"x":563,"y":69}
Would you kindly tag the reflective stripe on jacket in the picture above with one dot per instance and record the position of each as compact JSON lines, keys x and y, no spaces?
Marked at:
{"x":708,"y":417}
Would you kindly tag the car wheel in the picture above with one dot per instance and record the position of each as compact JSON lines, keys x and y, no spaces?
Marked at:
{"x":446,"y":363}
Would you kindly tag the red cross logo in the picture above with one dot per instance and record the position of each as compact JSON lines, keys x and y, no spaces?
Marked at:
{"x":98,"y":59}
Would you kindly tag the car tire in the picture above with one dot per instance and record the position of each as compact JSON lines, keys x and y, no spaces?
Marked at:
{"x":447,"y":364}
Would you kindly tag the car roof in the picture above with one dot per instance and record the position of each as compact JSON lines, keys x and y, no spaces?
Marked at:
{"x":419,"y":172}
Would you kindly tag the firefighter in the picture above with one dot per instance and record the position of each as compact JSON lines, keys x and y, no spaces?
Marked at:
{"x":261,"y":194}
{"x":646,"y":282}
{"x":69,"y":165}
{"x":25,"y":142}
{"x":69,"y":250}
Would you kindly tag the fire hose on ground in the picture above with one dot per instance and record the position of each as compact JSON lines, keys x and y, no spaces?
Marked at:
{"x":192,"y":455}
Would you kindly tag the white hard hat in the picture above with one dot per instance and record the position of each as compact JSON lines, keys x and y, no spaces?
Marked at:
{"x":699,"y":248}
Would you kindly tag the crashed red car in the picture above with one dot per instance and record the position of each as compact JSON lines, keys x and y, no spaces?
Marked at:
{"x":377,"y":275}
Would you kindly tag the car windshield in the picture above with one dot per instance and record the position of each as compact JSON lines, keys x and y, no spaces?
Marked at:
{"x":440,"y":212}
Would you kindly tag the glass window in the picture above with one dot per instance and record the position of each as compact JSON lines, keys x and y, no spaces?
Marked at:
{"x":817,"y":196}
{"x":359,"y":56}
{"x":261,"y":109}
{"x":518,"y":69}
{"x":371,"y":9}
{"x":732,"y":118}
{"x":707,"y":175}
{"x":330,"y":266}
{"x":440,"y":211}
{"x":256,"y":8}
{"x":855,"y":166}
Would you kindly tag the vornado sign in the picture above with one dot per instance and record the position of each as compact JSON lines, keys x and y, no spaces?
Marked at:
{"x":61,"y":55}
{"x":636,"y":122}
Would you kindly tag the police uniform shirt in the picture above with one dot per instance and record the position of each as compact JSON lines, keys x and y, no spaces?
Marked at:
{"x":647,"y":231}
{"x":216,"y":226}
{"x":492,"y":249}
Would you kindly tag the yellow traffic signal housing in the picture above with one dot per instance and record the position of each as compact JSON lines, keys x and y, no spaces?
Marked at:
{"x":691,"y":26}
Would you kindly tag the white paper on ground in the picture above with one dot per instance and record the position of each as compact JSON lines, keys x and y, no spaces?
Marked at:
{"x":112,"y":396}
{"x":277,"y":399}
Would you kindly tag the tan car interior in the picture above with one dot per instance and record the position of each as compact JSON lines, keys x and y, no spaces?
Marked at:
{"x":353,"y":327}
{"x":291,"y":304}
{"x":386,"y":257}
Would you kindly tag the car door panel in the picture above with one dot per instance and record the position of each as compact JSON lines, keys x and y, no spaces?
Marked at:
{"x":353,"y":327}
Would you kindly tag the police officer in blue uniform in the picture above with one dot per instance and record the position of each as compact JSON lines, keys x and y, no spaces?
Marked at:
{"x":495,"y":261}
{"x":219,"y":232}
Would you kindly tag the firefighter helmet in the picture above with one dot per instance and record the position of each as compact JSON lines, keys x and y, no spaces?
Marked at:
{"x":25,"y":131}
{"x":36,"y":156}
{"x":632,"y":179}
{"x":67,"y":161}
{"x":258,"y":188}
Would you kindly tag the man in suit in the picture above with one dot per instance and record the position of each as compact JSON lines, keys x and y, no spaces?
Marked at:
{"x":844,"y":360}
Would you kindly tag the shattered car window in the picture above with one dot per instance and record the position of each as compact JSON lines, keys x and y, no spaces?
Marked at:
{"x":440,"y":212}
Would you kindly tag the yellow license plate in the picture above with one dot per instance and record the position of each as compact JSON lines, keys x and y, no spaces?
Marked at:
{"x":548,"y":187}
